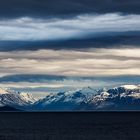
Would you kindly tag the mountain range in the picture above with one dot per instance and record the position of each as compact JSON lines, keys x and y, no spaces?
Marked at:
{"x":125,"y":97}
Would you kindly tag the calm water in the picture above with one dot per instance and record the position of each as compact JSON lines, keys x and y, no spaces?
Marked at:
{"x":70,"y":126}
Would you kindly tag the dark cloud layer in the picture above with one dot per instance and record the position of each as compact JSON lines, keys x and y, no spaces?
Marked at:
{"x":31,"y":78}
{"x":96,"y":42}
{"x":42,"y":8}
{"x":81,"y":31}
{"x":45,"y":78}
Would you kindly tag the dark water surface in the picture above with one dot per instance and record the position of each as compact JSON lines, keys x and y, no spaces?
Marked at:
{"x":70,"y":126}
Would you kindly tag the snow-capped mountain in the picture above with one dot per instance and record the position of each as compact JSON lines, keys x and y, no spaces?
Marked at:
{"x":15,"y":99}
{"x":126,"y":97}
{"x":65,"y":100}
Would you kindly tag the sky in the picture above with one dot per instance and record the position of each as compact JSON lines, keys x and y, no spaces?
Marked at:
{"x":50,"y":45}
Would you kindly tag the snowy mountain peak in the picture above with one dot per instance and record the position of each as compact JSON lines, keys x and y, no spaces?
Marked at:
{"x":15,"y":99}
{"x":28,"y":97}
{"x":87,"y":90}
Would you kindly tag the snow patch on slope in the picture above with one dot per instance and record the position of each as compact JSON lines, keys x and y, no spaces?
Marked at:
{"x":27,"y":97}
{"x":130,"y":87}
{"x":3,"y":91}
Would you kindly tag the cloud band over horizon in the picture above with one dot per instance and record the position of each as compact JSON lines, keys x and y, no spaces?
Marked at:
{"x":92,"y":62}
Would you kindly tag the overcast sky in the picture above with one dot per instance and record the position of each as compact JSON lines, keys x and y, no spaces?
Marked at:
{"x":47,"y":45}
